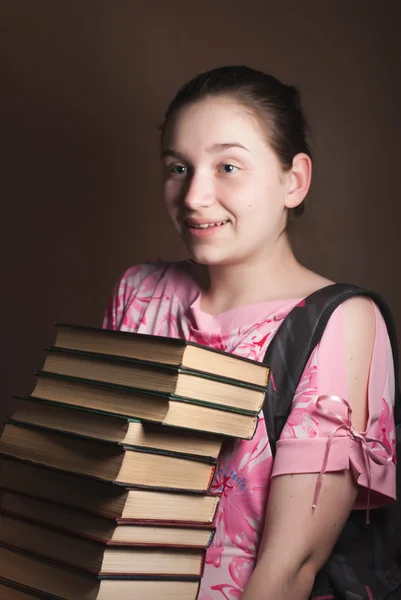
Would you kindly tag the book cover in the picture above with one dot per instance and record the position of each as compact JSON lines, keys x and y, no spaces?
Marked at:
{"x":162,"y":367}
{"x":104,"y":462}
{"x":171,"y":349}
{"x":115,"y":429}
{"x":151,"y":394}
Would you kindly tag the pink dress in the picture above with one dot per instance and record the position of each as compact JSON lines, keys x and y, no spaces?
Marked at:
{"x":162,"y":299}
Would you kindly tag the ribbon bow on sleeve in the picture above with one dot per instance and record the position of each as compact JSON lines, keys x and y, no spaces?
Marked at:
{"x":367,"y":445}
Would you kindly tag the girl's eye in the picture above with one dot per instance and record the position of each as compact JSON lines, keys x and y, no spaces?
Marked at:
{"x":177,"y":169}
{"x":228,"y":169}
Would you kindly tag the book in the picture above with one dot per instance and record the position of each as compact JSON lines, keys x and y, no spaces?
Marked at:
{"x":105,"y":469}
{"x":108,"y":428}
{"x":181,"y":382}
{"x":96,"y":557}
{"x":102,"y":529}
{"x":57,"y":582}
{"x":96,"y":497}
{"x":161,"y":350}
{"x":149,"y":406}
{"x":105,"y":461}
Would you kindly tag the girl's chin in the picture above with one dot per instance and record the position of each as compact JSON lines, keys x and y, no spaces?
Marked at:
{"x":208,"y":256}
{"x":206,"y":250}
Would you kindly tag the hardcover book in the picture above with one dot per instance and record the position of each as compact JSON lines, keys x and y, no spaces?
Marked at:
{"x":105,"y":461}
{"x":57,"y":582}
{"x":161,"y":350}
{"x":128,"y":403}
{"x":92,"y":496}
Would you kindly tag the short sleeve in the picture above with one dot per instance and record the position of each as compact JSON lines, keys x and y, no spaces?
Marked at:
{"x":131,"y":296}
{"x":305,"y":441}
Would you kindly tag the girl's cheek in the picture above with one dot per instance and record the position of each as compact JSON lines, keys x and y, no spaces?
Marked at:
{"x":168,"y":195}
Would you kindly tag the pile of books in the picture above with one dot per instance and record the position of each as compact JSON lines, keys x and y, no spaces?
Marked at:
{"x":105,"y":470}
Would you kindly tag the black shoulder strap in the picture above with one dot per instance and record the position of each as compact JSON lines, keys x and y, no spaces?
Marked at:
{"x":294,"y":342}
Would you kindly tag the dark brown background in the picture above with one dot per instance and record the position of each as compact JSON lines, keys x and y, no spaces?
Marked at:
{"x":85,"y":85}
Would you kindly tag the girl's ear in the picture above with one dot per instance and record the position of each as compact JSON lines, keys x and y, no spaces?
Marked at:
{"x":299,"y":180}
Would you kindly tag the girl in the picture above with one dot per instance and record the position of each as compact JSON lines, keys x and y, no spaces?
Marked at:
{"x":236,"y":165}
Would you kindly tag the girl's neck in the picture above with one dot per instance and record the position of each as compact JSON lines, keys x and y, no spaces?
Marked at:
{"x":277,"y":276}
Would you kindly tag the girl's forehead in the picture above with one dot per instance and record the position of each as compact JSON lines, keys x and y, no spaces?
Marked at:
{"x":213,"y":121}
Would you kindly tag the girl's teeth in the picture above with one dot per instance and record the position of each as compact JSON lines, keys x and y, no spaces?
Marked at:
{"x":206,"y":225}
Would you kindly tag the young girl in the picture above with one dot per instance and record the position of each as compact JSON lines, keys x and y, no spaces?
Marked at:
{"x":236,"y":165}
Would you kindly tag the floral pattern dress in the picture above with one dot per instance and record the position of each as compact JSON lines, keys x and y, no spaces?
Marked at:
{"x":163,"y":299}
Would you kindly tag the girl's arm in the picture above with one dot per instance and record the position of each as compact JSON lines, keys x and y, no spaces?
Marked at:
{"x":297,"y":539}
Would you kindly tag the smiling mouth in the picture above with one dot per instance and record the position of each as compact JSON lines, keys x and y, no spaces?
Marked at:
{"x":205,"y":225}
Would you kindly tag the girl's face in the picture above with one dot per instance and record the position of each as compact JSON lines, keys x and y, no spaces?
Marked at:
{"x":224,"y":187}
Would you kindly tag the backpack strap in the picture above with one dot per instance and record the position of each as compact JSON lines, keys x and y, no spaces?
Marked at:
{"x":298,"y":335}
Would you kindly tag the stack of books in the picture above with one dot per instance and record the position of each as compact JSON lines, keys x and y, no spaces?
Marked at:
{"x":105,"y":469}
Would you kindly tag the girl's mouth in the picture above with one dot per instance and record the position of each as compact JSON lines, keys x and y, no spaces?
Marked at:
{"x":205,"y":225}
{"x":204,"y":229}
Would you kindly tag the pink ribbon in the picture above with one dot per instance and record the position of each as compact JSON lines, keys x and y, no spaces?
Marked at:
{"x":365,"y":442}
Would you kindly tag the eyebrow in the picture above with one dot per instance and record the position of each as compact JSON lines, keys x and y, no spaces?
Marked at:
{"x":221,"y":147}
{"x":211,"y":150}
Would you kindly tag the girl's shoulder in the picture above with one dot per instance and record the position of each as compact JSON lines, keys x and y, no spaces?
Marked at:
{"x":153,"y":271}
{"x":136,"y":274}
{"x":145,"y":284}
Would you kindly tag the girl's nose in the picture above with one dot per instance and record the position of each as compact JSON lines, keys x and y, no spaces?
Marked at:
{"x":199,"y":192}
